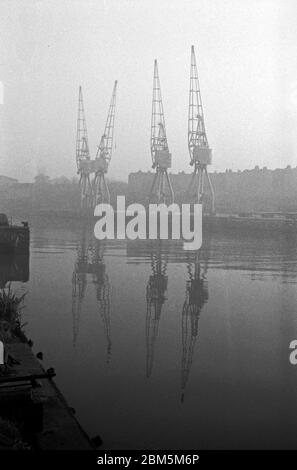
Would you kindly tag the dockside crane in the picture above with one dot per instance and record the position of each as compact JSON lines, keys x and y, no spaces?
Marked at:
{"x":200,"y":153}
{"x":196,"y":297}
{"x":83,"y":160}
{"x":161,"y":157}
{"x":104,"y":154}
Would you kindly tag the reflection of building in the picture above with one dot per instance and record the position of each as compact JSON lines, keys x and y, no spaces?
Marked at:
{"x":90,"y":263}
{"x":13,"y":268}
{"x":155,"y":298}
{"x":196,"y":297}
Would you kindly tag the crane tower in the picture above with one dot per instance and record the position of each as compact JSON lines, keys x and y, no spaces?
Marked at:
{"x":161,"y":156}
{"x":83,"y":160}
{"x":200,"y":153}
{"x":104,"y":153}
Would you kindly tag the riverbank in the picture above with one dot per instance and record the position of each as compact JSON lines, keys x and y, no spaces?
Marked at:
{"x":33,"y":405}
{"x":255,"y":223}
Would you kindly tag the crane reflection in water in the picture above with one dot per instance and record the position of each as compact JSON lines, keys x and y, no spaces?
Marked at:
{"x":90,"y":264}
{"x":156,"y":295}
{"x":196,"y":298}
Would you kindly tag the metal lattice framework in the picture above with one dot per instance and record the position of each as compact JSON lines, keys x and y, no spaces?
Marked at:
{"x":106,"y":142}
{"x":200,"y":153}
{"x":158,"y":130}
{"x":83,"y":155}
{"x":82,"y":145}
{"x":104,"y":154}
{"x":161,"y":156}
{"x":196,"y":126}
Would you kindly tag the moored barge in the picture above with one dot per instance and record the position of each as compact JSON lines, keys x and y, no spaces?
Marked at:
{"x":14,"y":238}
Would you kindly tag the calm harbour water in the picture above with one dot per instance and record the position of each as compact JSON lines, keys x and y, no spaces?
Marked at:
{"x":157,"y":348}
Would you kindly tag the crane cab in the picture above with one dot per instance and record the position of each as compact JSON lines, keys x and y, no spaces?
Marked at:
{"x":85,"y":166}
{"x":100,"y":165}
{"x":163,"y":159}
{"x":202,"y":155}
{"x":93,"y":166}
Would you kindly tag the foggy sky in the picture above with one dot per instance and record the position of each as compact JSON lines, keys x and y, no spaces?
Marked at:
{"x":247,"y":65}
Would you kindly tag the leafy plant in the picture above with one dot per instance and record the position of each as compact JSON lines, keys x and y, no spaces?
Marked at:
{"x":10,"y":311}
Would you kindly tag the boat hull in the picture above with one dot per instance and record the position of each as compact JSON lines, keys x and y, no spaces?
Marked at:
{"x":14,"y":239}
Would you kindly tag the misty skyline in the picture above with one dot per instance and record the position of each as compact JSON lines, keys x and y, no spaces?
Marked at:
{"x":246,"y":63}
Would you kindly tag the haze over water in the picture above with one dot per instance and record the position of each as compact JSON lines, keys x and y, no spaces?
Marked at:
{"x":247,"y":62}
{"x":157,"y":348}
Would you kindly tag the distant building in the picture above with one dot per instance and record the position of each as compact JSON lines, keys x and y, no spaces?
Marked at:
{"x":7,"y":181}
{"x":235,"y":191}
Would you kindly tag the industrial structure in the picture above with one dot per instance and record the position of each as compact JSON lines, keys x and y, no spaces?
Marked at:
{"x":161,"y":190}
{"x":96,"y":191}
{"x":161,"y":156}
{"x":104,"y":153}
{"x":200,"y":153}
{"x":83,"y":159}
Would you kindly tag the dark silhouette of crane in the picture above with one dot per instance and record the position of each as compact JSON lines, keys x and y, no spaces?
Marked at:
{"x":161,"y":157}
{"x":103,"y":290}
{"x":83,"y":160}
{"x":155,"y":298}
{"x":196,"y":297}
{"x":90,"y":263}
{"x":79,"y":284}
{"x":200,"y":153}
{"x":104,"y":154}
{"x":96,"y":191}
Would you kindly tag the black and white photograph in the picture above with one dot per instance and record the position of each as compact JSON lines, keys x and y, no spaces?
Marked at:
{"x":148,"y":229}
